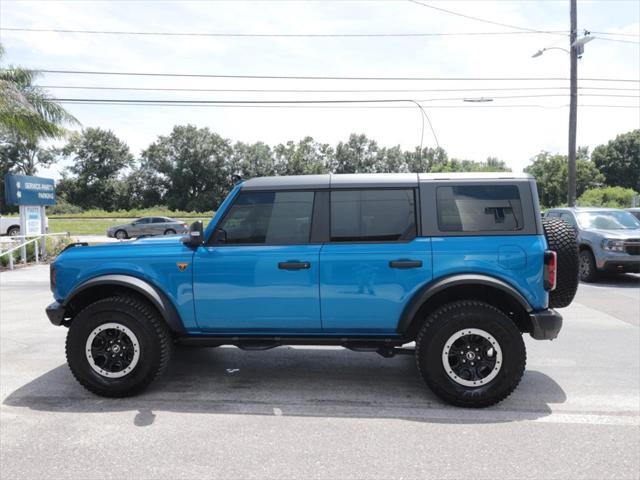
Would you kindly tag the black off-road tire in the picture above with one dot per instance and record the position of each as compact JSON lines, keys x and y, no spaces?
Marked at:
{"x":588,"y":268}
{"x":562,"y":239}
{"x":435,"y":334}
{"x":153,"y":336}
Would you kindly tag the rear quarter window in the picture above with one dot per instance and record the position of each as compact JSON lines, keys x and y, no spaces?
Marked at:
{"x":479,"y":208}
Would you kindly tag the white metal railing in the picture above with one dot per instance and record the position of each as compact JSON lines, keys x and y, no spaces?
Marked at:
{"x":26,"y":240}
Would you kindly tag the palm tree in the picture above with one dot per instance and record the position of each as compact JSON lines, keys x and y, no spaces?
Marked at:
{"x":26,"y":109}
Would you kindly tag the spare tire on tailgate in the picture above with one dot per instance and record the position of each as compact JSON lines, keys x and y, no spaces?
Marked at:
{"x":562,"y":239}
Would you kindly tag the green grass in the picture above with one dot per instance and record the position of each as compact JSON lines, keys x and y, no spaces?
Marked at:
{"x":132,"y":214}
{"x":99,"y":226}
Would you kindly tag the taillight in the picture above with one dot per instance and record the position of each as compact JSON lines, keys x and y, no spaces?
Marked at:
{"x":550,"y":270}
{"x":52,"y":276}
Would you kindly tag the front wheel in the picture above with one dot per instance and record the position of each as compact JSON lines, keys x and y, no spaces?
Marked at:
{"x":588,"y":268}
{"x":470,"y":354}
{"x":117,"y":346}
{"x":169,"y":231}
{"x":121,"y":235}
{"x":13,"y":231}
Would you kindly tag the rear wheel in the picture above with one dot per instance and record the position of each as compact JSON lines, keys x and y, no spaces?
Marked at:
{"x":117,"y":346}
{"x":170,"y":231}
{"x":470,"y":354}
{"x":561,"y":238}
{"x":13,"y":231}
{"x":588,"y":268}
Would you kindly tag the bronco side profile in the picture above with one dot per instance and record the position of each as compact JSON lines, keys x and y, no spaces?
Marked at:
{"x":460,"y":264}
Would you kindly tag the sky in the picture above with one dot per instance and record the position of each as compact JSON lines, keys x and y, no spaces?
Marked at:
{"x":511,"y":129}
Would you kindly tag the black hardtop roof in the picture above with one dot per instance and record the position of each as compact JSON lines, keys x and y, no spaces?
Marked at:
{"x":371,"y":180}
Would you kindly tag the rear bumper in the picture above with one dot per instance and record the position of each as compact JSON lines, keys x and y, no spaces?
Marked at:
{"x":546,"y":324}
{"x":55,"y":312}
{"x":613,"y":266}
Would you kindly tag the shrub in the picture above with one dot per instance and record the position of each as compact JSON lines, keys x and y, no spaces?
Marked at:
{"x":62,"y":207}
{"x":611,"y":197}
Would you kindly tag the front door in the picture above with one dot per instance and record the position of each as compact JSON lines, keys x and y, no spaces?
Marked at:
{"x":374,"y":262}
{"x":260,"y":273}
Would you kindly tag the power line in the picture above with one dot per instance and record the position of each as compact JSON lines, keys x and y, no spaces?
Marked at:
{"x":618,"y":40}
{"x":311,"y":77}
{"x":276,"y":90}
{"x":431,"y":107}
{"x":312,"y":102}
{"x":271,"y":35}
{"x":633,"y":35}
{"x":483,"y":20}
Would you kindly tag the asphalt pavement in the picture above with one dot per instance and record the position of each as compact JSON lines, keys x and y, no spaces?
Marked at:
{"x":323,"y":412}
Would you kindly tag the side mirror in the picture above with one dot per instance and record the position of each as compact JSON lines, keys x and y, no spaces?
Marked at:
{"x":195,"y":237}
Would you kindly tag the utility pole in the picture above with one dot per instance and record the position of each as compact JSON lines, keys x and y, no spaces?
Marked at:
{"x":573,"y":104}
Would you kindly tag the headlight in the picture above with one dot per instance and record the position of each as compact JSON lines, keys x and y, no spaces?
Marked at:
{"x":613,"y":245}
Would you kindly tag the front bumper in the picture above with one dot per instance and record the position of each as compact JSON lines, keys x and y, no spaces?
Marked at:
{"x":546,"y":324}
{"x":55,"y":312}
{"x":613,"y":266}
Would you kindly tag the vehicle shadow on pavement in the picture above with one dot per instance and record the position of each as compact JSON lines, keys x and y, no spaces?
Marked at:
{"x":617,"y":281}
{"x":312,"y":382}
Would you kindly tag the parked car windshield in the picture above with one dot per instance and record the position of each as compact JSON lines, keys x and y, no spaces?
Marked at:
{"x":607,"y":220}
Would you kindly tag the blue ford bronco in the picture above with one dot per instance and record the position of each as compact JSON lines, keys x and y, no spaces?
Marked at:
{"x":460,"y":264}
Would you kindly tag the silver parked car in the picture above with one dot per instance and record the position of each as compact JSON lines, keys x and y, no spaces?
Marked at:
{"x":609,"y":239}
{"x":146,"y":226}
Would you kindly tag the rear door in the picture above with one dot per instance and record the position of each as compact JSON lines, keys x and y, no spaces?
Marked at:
{"x":260,"y":273}
{"x":374,"y":261}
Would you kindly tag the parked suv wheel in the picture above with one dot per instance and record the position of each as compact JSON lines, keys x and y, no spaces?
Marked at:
{"x":470,"y":354}
{"x":561,"y":238}
{"x":588,"y":269}
{"x":117,"y":346}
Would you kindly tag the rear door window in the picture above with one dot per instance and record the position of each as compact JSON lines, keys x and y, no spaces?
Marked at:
{"x":479,"y":208}
{"x":373,"y":215}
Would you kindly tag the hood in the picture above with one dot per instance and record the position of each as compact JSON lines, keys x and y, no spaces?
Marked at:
{"x":616,"y":234}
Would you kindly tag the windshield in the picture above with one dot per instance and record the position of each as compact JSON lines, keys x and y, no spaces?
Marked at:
{"x":607,"y":220}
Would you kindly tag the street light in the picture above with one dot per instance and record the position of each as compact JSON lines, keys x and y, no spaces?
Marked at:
{"x":540,"y":52}
{"x":478,"y":99}
{"x":576,"y":51}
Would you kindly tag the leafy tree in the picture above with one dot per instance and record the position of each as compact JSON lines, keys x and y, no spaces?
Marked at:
{"x":613,"y":197}
{"x":23,"y":156}
{"x":430,"y":159}
{"x":193,"y":167}
{"x":357,"y":155}
{"x":26,"y":109}
{"x":255,"y":160}
{"x":551,"y":173}
{"x":307,"y":157}
{"x":95,"y":180}
{"x":619,"y":160}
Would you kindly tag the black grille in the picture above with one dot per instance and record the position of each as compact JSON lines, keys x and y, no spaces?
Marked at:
{"x":632,"y":246}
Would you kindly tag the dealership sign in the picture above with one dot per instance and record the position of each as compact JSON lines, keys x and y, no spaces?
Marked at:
{"x":27,"y":190}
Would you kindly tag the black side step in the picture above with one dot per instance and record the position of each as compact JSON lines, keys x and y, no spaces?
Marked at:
{"x":264,"y":343}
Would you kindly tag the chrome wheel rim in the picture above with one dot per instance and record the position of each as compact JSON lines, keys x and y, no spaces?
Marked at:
{"x":585,"y":267}
{"x":472,"y":357}
{"x":112,"y":350}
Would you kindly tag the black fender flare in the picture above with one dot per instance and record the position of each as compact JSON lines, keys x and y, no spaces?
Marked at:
{"x":154,"y":295}
{"x":431,"y":289}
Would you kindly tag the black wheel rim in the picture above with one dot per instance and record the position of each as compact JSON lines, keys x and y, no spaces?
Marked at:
{"x":472,"y":357}
{"x":112,"y":350}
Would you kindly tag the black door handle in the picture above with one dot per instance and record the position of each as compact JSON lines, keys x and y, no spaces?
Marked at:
{"x":292,"y":265}
{"x":402,"y":263}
